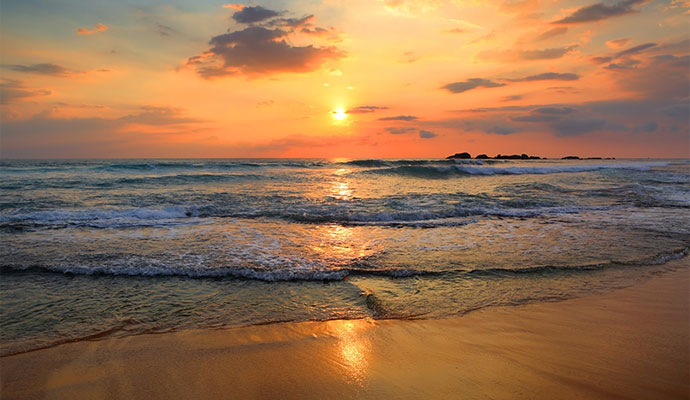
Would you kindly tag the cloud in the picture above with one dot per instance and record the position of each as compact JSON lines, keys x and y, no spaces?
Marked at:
{"x":399,"y":130}
{"x":426,"y":134}
{"x":525,"y":55}
{"x":455,"y":30}
{"x":551,"y":33}
{"x":365,"y":109}
{"x":237,"y":7}
{"x":11,"y":91}
{"x":553,"y":110}
{"x":573,"y":127}
{"x":399,"y":118}
{"x":634,"y":50}
{"x":44,"y":135}
{"x":514,"y":97}
{"x":535,"y":118}
{"x":294,"y":23}
{"x":250,"y":15}
{"x":472,"y":83}
{"x":555,"y":76}
{"x":41,"y":69}
{"x":599,"y":11}
{"x":546,"y":54}
{"x":618,"y":43}
{"x":257,"y":50}
{"x":647,"y":127}
{"x":99,"y":27}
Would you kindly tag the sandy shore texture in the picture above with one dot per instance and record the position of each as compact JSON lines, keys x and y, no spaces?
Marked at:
{"x":630,"y":343}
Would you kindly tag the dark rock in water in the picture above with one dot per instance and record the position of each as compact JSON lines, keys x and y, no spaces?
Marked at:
{"x":593,"y":158}
{"x":482,"y":157}
{"x":510,"y":157}
{"x":571,"y":158}
{"x":534,"y":158}
{"x":459,"y":155}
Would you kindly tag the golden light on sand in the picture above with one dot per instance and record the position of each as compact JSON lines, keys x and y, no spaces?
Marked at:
{"x":353,"y":347}
{"x":339,"y":113}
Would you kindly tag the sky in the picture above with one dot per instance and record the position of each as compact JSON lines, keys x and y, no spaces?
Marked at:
{"x":344,"y":78}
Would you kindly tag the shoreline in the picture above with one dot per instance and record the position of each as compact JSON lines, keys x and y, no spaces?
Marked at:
{"x":626,"y":343}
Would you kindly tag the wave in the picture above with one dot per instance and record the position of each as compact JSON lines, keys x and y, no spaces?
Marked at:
{"x":334,"y":273}
{"x":326,"y":214}
{"x":463,"y":170}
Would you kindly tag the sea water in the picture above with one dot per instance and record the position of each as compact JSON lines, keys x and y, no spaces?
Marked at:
{"x":100,"y":248}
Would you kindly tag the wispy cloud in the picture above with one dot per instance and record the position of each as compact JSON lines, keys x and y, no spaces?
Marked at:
{"x":472,"y":83}
{"x":399,"y":118}
{"x":41,"y":69}
{"x":554,"y":76}
{"x":99,"y":27}
{"x":365,"y":109}
{"x":599,"y":11}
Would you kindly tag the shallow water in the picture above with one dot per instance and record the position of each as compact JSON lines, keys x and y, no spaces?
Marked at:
{"x":118,"y":247}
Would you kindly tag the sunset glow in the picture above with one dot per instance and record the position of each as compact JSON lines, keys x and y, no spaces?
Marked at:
{"x":410,"y":78}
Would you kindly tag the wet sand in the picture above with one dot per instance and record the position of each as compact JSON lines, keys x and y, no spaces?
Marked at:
{"x":628,"y":343}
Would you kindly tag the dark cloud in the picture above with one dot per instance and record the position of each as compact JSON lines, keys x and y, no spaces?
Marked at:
{"x":250,"y":15}
{"x":599,"y":11}
{"x":399,"y":118}
{"x":11,"y":91}
{"x":399,"y":130}
{"x":294,"y":23}
{"x":41,"y":69}
{"x":573,"y":127}
{"x":257,"y":50}
{"x":553,"y":110}
{"x":513,"y":55}
{"x":535,"y":118}
{"x":647,"y":127}
{"x":426,"y":134}
{"x":365,"y":109}
{"x":552,"y":33}
{"x":602,"y":59}
{"x":625,"y":64}
{"x":472,"y":83}
{"x":554,"y":76}
{"x":546,"y":54}
{"x":634,"y":50}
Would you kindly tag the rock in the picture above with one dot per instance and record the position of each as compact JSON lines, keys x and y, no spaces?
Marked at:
{"x":510,"y":157}
{"x":534,"y":158}
{"x":482,"y":157}
{"x":593,"y":158}
{"x":459,"y":155}
{"x":571,"y":158}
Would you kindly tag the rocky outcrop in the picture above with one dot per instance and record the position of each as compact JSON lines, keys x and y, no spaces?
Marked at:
{"x":482,"y":157}
{"x":571,"y":158}
{"x":516,"y":157}
{"x":459,"y":155}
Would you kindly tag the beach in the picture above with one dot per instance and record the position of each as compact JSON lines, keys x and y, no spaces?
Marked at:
{"x":626,"y":343}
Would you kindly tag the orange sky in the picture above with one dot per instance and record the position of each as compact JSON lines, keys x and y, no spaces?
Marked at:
{"x":414,"y":78}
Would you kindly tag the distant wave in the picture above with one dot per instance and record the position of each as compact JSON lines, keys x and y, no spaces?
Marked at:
{"x":335,"y":273}
{"x":460,"y":170}
{"x":106,"y":218}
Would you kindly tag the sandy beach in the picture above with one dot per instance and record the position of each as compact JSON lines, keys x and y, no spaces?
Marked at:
{"x":628,"y":343}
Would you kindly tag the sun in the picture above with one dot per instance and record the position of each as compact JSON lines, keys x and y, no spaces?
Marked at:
{"x":339,"y":114}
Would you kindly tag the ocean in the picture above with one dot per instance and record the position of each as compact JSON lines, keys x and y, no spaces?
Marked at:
{"x":106,"y":248}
